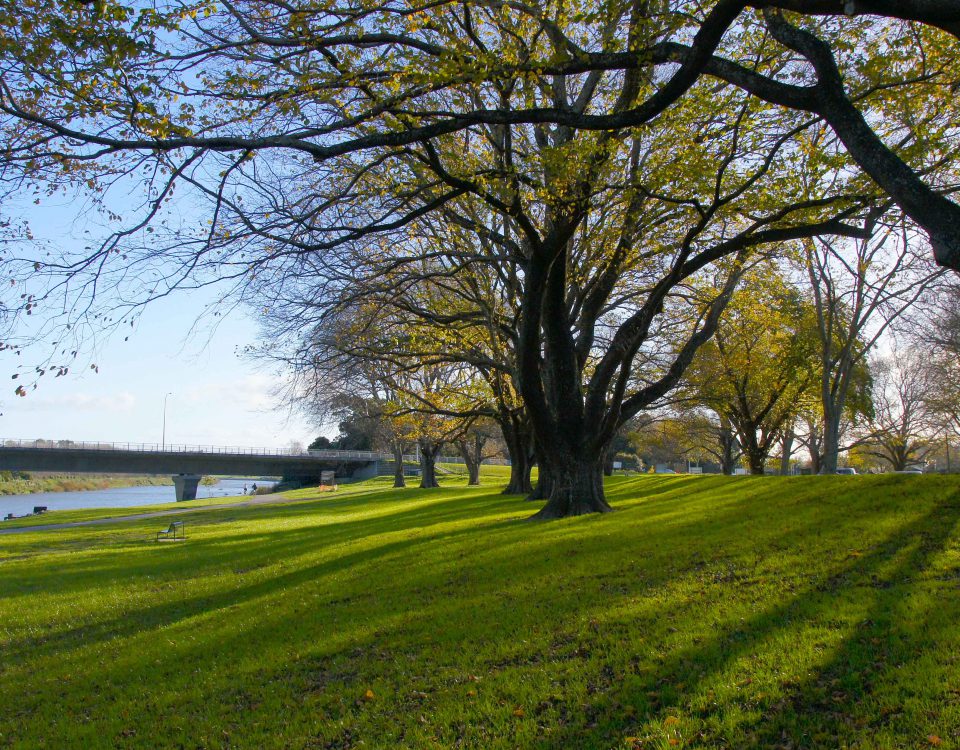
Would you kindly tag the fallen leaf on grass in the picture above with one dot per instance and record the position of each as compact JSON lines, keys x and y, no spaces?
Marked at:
{"x":368,"y":696}
{"x":934,"y":740}
{"x":518,"y":711}
{"x":671,"y":721}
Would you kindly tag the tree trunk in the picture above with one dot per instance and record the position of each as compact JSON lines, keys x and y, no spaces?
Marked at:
{"x":608,"y":464}
{"x":428,"y":463}
{"x":471,"y":455}
{"x":786,"y":450}
{"x":518,"y":447}
{"x":398,"y":478}
{"x":542,"y":489}
{"x":831,"y":443}
{"x":576,"y":488}
{"x":727,"y":446}
{"x":519,"y":475}
{"x":758,"y":461}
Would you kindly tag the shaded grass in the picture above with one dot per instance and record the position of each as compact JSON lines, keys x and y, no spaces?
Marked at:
{"x":706,"y":612}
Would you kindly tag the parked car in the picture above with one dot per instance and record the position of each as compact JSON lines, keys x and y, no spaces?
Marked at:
{"x":846,"y":470}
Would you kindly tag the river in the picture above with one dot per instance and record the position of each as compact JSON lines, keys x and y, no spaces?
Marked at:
{"x":118,"y":497}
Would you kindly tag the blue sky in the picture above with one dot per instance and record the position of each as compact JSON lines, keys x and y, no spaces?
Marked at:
{"x":217,"y":397}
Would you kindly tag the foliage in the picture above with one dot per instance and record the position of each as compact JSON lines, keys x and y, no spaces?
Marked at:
{"x":759,"y":372}
{"x":597,"y":160}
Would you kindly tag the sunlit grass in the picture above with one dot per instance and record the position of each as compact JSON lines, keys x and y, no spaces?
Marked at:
{"x":705,"y":612}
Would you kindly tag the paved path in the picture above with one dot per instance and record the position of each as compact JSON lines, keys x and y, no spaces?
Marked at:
{"x":258,"y":500}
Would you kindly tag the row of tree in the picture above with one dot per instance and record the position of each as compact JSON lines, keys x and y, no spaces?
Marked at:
{"x":531,"y":213}
{"x":763,"y":386}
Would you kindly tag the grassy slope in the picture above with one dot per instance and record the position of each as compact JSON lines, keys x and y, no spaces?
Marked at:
{"x":706,"y":612}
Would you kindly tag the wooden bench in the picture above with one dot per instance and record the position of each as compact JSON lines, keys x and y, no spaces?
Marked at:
{"x":174,"y":532}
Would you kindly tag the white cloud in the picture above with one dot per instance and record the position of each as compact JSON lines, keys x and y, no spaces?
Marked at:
{"x":122,"y":402}
{"x":251,"y":393}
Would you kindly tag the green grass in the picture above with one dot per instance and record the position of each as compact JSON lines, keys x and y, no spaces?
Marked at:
{"x":706,"y":612}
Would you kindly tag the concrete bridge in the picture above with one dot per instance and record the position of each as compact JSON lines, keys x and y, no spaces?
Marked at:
{"x":186,"y":463}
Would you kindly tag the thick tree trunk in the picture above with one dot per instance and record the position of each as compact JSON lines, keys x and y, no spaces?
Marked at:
{"x":519,"y":475}
{"x":398,"y":478}
{"x":758,"y":461}
{"x":428,"y":463}
{"x":471,"y":455}
{"x":831,"y":443}
{"x":517,"y":440}
{"x":727,"y":447}
{"x":786,"y":450}
{"x":576,"y":488}
{"x":542,"y":489}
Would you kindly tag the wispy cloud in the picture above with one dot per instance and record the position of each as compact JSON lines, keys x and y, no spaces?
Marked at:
{"x":122,"y":402}
{"x":253,"y":393}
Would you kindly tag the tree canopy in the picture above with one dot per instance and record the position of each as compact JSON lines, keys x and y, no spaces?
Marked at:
{"x":601,"y":158}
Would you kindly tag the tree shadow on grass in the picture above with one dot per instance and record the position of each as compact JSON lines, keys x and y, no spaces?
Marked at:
{"x":816,"y":711}
{"x":157,"y":566}
{"x":522,"y":556}
{"x":242,"y":553}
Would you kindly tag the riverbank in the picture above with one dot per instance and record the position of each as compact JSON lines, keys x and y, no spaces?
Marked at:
{"x":77,"y":483}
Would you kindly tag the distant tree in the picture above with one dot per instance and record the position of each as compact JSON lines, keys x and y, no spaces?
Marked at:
{"x":860,"y":288}
{"x":904,"y":428}
{"x":659,"y":440}
{"x":759,"y":370}
{"x":295,"y":447}
{"x":470,"y":445}
{"x":322,"y":442}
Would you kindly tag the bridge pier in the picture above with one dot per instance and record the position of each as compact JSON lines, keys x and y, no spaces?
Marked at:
{"x":186,"y":486}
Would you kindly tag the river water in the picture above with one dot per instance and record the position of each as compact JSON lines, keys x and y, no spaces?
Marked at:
{"x":119,"y":497}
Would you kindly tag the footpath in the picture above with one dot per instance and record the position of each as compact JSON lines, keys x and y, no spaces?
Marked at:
{"x":258,"y":500}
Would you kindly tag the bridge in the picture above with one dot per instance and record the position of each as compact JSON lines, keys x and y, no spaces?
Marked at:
{"x":185,"y":463}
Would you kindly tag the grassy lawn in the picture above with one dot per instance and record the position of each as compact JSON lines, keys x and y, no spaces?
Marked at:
{"x":707,"y":612}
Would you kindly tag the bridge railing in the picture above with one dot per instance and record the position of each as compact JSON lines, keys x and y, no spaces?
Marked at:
{"x":233,"y":450}
{"x":331,"y":454}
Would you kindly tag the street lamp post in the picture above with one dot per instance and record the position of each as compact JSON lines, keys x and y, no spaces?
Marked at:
{"x":163,"y":438}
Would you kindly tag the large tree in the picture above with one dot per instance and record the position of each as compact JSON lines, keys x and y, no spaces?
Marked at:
{"x":626,"y":147}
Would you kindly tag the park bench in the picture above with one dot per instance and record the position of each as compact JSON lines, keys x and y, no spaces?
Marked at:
{"x":174,"y":532}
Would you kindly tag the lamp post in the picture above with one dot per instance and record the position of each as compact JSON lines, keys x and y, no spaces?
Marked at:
{"x":163,"y":438}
